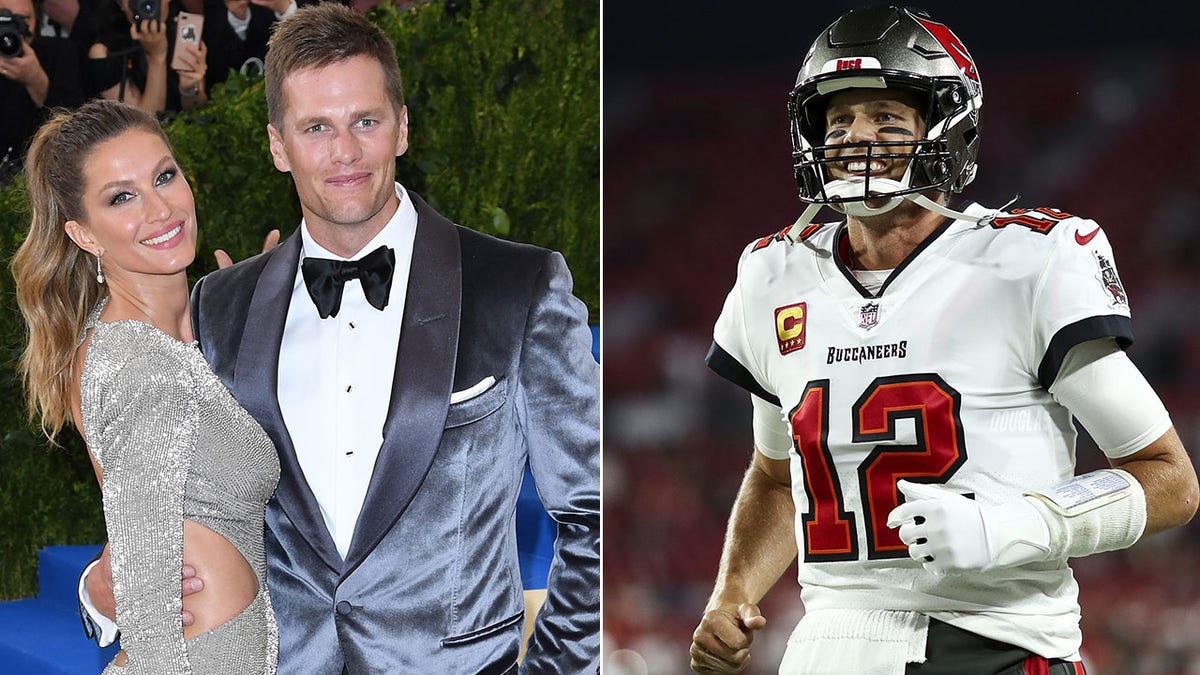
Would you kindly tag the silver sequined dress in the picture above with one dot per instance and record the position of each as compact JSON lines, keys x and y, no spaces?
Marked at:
{"x":175,"y":445}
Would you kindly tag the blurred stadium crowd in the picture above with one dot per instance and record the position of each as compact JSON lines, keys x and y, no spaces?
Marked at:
{"x":698,"y":164}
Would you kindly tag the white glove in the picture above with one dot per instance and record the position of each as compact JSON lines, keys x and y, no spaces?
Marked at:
{"x":946,"y":531}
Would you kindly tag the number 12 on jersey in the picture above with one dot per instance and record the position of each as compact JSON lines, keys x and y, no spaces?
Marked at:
{"x":830,"y":531}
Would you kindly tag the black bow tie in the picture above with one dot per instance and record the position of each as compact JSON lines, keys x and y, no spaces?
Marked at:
{"x":325,"y":278}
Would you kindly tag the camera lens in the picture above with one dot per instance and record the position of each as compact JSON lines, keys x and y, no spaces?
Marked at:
{"x":10,"y":44}
{"x":145,"y":10}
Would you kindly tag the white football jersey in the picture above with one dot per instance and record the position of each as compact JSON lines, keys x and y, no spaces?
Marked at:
{"x":941,"y":376}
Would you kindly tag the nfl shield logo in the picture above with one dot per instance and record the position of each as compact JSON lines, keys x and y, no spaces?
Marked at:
{"x":868,"y":315}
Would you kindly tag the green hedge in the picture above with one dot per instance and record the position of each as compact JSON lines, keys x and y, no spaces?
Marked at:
{"x":504,"y":115}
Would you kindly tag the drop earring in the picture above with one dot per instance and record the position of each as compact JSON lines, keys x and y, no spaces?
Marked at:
{"x":99,"y":271}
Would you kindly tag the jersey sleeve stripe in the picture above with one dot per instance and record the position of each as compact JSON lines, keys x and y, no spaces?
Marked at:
{"x":729,"y":368}
{"x":1115,"y":325}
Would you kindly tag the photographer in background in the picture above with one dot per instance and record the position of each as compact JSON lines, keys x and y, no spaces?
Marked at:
{"x":32,"y":80}
{"x":74,"y":19}
{"x":57,"y":17}
{"x":129,"y":59}
{"x":237,"y":31}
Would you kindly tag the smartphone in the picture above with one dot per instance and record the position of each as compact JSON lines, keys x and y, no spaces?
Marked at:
{"x":187,"y":31}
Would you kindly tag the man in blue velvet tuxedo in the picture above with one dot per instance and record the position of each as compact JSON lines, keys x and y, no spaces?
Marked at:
{"x":406,"y":369}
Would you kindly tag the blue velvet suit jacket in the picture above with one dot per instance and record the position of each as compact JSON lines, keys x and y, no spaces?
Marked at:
{"x":431,"y":583}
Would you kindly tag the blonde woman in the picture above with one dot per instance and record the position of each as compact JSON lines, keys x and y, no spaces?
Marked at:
{"x":102,"y":284}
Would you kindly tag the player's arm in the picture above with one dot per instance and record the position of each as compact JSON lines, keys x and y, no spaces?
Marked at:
{"x":760,"y":544}
{"x":1168,"y":478}
{"x":1111,"y":398}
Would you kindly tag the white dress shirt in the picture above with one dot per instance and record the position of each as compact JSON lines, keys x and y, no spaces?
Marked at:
{"x":335,"y":377}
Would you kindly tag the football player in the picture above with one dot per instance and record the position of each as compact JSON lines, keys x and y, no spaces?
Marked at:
{"x":915,"y":371}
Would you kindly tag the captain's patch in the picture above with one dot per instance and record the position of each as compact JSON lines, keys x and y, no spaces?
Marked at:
{"x":790,"y":321}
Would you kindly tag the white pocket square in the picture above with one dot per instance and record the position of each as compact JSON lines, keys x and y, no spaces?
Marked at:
{"x":471,"y":392}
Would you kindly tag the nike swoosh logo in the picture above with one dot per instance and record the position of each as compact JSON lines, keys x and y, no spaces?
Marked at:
{"x":1083,"y":240}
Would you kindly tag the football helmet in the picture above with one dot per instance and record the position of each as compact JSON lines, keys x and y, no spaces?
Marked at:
{"x":887,"y":48}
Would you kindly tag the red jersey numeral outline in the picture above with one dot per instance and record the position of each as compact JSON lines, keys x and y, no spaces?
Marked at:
{"x":830,"y":531}
{"x":1042,"y":224}
{"x":771,"y":239}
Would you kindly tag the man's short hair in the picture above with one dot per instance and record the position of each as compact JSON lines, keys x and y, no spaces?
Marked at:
{"x":320,"y":35}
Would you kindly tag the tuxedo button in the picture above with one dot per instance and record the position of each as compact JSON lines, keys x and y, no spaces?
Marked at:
{"x":344,"y":608}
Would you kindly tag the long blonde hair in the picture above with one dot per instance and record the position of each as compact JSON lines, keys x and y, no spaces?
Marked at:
{"x":55,"y":279}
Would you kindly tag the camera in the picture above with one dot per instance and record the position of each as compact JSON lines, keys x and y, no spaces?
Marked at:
{"x":145,"y":10}
{"x":13,"y":31}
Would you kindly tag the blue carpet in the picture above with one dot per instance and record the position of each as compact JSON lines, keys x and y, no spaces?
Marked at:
{"x":43,"y":635}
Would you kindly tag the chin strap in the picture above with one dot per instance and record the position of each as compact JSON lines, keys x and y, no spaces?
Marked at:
{"x":927,"y":203}
{"x":923,"y":201}
{"x":797,"y":228}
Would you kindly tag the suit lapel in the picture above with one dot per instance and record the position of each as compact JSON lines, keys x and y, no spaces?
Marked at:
{"x":257,"y":381}
{"x":423,"y":380}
